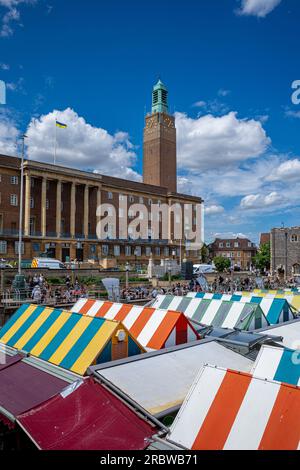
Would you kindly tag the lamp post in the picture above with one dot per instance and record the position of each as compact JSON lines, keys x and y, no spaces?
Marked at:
{"x":127,"y":274}
{"x":21,"y":208}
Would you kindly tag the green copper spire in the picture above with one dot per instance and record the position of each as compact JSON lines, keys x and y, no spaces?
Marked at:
{"x":160,"y":98}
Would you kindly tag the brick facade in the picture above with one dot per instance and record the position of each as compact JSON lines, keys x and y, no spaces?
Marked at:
{"x":240,"y":251}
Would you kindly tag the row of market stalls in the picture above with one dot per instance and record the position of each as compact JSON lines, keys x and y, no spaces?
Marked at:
{"x":186,"y":372}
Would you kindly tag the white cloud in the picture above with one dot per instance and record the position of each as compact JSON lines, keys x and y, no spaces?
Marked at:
{"x":11,"y":15}
{"x":223,"y":92}
{"x":199,"y":104}
{"x":286,"y":171}
{"x":208,"y":141}
{"x":9,"y":135}
{"x":292,"y":114}
{"x":81,"y":145}
{"x":4,"y":67}
{"x":259,"y":8}
{"x":214,"y":209}
{"x":260,"y":201}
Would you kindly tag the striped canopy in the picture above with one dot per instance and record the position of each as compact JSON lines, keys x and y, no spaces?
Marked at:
{"x":65,"y":339}
{"x":292,"y":299}
{"x":276,"y":310}
{"x":235,"y":411}
{"x":277,"y":291}
{"x":280,"y":364}
{"x":153,"y":328}
{"x":217,"y":313}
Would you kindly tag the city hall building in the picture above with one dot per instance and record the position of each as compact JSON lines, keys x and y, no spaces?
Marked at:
{"x":60,"y":204}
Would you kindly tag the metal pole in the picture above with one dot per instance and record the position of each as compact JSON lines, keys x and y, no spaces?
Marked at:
{"x":21,"y":207}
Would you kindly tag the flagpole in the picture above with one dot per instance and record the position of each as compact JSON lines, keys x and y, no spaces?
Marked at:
{"x":55,"y":144}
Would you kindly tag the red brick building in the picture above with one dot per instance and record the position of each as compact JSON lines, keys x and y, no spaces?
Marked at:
{"x":240,"y":251}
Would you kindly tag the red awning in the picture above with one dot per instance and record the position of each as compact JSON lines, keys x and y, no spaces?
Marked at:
{"x":90,"y":418}
{"x":23,"y":387}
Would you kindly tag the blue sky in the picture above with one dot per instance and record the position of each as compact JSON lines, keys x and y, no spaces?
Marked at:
{"x":228,"y":64}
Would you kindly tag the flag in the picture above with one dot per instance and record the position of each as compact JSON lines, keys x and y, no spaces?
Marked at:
{"x":61,"y":125}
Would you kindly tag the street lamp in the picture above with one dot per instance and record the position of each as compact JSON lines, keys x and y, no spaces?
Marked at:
{"x":21,"y":207}
{"x":127,"y":266}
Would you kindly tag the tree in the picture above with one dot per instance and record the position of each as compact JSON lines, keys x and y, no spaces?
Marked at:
{"x":221,"y":263}
{"x":262,"y":260}
{"x":205,"y":254}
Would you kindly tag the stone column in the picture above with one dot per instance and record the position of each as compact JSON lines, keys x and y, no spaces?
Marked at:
{"x":73,"y":211}
{"x":58,"y":209}
{"x":86,"y":212}
{"x":27,"y":205}
{"x":43,"y":207}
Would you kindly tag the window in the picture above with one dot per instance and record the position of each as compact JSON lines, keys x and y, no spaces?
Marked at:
{"x":31,"y":203}
{"x":131,"y":199}
{"x":221,"y":245}
{"x":13,"y":200}
{"x":236,"y":244}
{"x":17,"y":248}
{"x":294,"y":238}
{"x":138,"y":251}
{"x":228,"y":245}
{"x":47,"y":204}
{"x":3,"y":247}
{"x":148,"y":251}
{"x":238,"y":254}
{"x":149,"y":202}
{"x":117,"y":250}
{"x":166,"y":251}
{"x":249,"y":244}
{"x":110,"y":195}
{"x":157,"y":251}
{"x":105,"y":250}
{"x":127,"y":250}
{"x":14,"y":180}
{"x":121,"y":197}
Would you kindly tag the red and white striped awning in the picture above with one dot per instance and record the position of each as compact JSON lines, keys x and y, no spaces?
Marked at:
{"x":153,"y":328}
{"x":235,"y":411}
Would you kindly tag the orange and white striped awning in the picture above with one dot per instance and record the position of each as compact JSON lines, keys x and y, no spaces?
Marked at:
{"x":230,"y":410}
{"x":154,"y":328}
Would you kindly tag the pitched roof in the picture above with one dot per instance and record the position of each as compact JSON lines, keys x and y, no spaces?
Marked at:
{"x":217,"y":313}
{"x":276,"y":363}
{"x":27,"y":382}
{"x":89,"y":418}
{"x":289,"y":331}
{"x":153,"y":328}
{"x":276,"y":310}
{"x":159,"y":381}
{"x":292,"y":298}
{"x":67,"y":339}
{"x":235,"y":411}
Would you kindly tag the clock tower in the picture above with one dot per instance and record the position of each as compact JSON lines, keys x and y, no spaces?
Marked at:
{"x":160,"y":167}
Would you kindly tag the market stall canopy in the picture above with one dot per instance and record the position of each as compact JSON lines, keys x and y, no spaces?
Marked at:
{"x":235,"y":411}
{"x":89,"y":418}
{"x":280,"y":364}
{"x":27,"y":382}
{"x":159,"y":381}
{"x":289,"y":332}
{"x":293,"y":299}
{"x":153,"y":328}
{"x":275,"y":310}
{"x":69,"y":340}
{"x":217,"y":313}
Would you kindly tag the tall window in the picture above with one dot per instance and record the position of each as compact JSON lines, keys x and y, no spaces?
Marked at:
{"x":13,"y":200}
{"x":3,"y":247}
{"x":14,"y":180}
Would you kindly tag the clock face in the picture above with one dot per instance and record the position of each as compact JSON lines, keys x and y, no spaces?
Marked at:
{"x":150,"y":123}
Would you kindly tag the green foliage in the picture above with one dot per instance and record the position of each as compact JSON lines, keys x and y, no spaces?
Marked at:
{"x":262,"y":260}
{"x":221,"y":263}
{"x":205,"y":254}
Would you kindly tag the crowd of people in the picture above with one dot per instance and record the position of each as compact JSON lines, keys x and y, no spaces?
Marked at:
{"x":41,"y":291}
